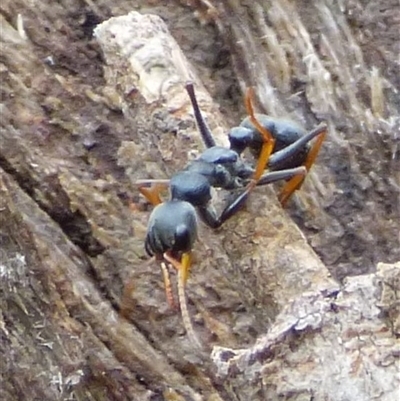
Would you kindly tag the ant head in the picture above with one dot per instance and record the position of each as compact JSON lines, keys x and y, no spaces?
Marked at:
{"x":240,"y":138}
{"x":191,"y":187}
{"x":172,"y":227}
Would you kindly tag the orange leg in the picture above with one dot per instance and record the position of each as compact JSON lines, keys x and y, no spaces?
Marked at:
{"x":266,"y":150}
{"x":183,"y":268}
{"x":152,"y":194}
{"x":168,"y":287}
{"x":296,"y":182}
{"x":269,"y":141}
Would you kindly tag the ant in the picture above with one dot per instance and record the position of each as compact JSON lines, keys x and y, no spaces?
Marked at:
{"x":172,"y":228}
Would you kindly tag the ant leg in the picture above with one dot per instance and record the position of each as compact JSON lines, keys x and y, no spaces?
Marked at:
{"x":152,"y":181}
{"x":152,"y":194}
{"x":273,"y":176}
{"x":206,"y":213}
{"x":267,"y":178}
{"x":201,"y":124}
{"x":291,"y":150}
{"x":296,"y":182}
{"x":183,"y":265}
{"x":183,"y":268}
{"x":268,"y":139}
{"x":313,"y":153}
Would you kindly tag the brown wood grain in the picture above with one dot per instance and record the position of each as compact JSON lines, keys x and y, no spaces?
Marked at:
{"x":83,"y":117}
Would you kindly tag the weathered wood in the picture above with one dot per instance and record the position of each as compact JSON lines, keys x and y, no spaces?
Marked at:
{"x":314,"y":60}
{"x":325,"y":348}
{"x":73,"y":140}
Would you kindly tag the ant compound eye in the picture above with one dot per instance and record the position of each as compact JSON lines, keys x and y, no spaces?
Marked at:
{"x":184,"y":238}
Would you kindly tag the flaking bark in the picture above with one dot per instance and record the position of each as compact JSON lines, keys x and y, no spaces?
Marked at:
{"x":274,"y":323}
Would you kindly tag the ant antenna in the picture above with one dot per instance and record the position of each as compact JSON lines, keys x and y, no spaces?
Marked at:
{"x":202,"y":125}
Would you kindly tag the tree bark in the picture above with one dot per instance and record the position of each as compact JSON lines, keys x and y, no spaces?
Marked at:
{"x":75,"y":137}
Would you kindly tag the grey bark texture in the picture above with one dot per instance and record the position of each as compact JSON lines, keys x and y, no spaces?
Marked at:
{"x":276,"y":296}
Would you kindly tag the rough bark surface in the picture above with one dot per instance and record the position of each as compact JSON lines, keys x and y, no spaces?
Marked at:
{"x":83,"y":117}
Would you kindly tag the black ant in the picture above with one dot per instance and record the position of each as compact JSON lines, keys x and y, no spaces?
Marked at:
{"x":172,"y":227}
